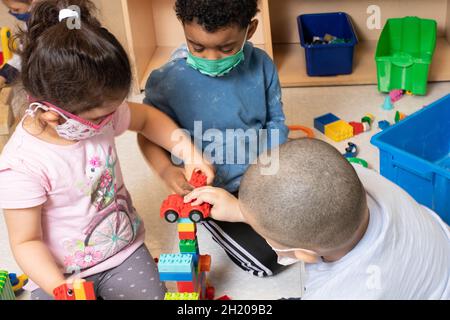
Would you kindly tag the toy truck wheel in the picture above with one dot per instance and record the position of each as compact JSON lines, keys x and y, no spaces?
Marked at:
{"x":196,"y":216}
{"x":171,"y":216}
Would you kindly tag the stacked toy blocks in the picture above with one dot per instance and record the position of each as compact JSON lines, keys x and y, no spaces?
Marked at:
{"x":6,"y":289}
{"x":339,"y":130}
{"x":78,"y":290}
{"x":188,"y":268}
{"x":333,"y":127}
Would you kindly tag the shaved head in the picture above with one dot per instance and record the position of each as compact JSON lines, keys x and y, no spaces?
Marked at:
{"x":316,"y":200}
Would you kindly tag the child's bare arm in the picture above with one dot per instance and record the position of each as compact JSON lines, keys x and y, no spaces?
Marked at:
{"x":225,"y":206}
{"x":30,"y":252}
{"x":158,"y":128}
{"x":161,"y":163}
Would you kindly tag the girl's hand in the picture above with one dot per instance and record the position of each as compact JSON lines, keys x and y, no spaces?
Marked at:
{"x":225,"y":207}
{"x":175,"y":179}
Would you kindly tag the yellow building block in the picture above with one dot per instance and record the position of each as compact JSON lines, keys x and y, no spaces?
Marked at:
{"x":182,"y":296}
{"x":186,"y":227}
{"x":339,"y":131}
{"x":78,"y":288}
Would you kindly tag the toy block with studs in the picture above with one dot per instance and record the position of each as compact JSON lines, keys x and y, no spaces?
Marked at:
{"x":6,"y":289}
{"x":182,"y":296}
{"x":321,"y":122}
{"x":339,"y":131}
{"x":173,"y":263}
{"x":188,"y":246}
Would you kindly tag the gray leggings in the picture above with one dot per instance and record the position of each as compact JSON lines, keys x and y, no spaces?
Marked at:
{"x":137,"y":278}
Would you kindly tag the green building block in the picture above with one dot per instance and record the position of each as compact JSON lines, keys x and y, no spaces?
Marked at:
{"x":188,"y":246}
{"x":6,"y":290}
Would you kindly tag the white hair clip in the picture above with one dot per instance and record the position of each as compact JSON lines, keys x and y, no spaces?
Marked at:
{"x":67,"y":13}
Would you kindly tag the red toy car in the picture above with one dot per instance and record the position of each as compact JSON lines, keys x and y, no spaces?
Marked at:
{"x":174,"y":207}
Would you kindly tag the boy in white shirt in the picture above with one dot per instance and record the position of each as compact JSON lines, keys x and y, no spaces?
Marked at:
{"x":360,"y":236}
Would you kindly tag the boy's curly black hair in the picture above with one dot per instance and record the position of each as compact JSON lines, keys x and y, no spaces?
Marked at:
{"x":217,"y":14}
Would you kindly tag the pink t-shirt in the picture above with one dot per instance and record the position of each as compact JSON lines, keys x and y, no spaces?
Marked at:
{"x":88,"y":220}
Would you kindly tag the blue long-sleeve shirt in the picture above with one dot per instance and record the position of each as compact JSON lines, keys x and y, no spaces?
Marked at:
{"x":248,"y":98}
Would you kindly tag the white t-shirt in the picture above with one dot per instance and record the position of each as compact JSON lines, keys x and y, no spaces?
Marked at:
{"x":404,"y":254}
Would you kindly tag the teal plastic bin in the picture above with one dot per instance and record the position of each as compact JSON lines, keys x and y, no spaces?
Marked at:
{"x":404,"y":54}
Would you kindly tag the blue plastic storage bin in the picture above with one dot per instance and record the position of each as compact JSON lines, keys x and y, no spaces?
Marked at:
{"x":415,"y":154}
{"x":327,"y":59}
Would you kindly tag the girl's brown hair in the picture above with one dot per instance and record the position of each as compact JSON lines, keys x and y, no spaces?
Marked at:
{"x":76,"y":69}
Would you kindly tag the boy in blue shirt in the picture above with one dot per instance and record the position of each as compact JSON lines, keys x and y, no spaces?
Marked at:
{"x":215,"y":83}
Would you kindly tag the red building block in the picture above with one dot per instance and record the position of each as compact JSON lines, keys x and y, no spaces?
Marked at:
{"x":198,"y":180}
{"x":187,"y":235}
{"x":64,"y":292}
{"x":187,"y":287}
{"x":358,"y":127}
{"x":89,"y":291}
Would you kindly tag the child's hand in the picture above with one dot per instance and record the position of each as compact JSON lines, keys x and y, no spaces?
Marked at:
{"x":225,"y":207}
{"x":176,"y":180}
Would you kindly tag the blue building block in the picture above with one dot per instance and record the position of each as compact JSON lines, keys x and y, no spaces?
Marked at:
{"x":174,"y":263}
{"x":383,"y":125}
{"x":184,"y":220}
{"x":177,"y":277}
{"x":321,"y":122}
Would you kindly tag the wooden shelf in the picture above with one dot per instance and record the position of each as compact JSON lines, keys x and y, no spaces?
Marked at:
{"x":150,"y":31}
{"x":290,"y":60}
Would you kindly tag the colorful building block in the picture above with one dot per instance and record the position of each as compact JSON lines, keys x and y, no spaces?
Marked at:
{"x":187,"y":286}
{"x":6,"y":290}
{"x":182,"y":296}
{"x":339,"y":130}
{"x":174,"y":263}
{"x":204,"y":263}
{"x":187,"y":227}
{"x":399,"y":116}
{"x":177,"y":277}
{"x":198,"y":180}
{"x":358,"y":127}
{"x":383,"y":125}
{"x":64,"y":292}
{"x":321,"y":122}
{"x":83,"y":290}
{"x":368,"y":118}
{"x":188,"y":246}
{"x":187,"y":235}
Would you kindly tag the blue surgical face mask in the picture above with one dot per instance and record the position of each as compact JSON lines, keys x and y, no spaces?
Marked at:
{"x":219,"y":67}
{"x":21,"y":16}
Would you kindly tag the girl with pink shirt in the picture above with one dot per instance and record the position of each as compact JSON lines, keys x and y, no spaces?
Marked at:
{"x":66,"y":207}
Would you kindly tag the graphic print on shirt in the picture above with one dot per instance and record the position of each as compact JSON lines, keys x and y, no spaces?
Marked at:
{"x":105,"y":190}
{"x":116,"y":223}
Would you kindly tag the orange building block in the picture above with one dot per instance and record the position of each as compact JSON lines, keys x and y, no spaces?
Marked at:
{"x":204,"y":263}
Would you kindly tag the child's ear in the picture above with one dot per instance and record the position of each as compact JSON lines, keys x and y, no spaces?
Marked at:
{"x":50,"y":117}
{"x":252,"y":28}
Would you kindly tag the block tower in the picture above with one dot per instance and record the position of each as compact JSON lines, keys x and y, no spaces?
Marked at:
{"x":188,"y":268}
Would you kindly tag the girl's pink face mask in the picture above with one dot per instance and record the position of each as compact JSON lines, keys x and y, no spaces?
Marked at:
{"x":74,"y":128}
